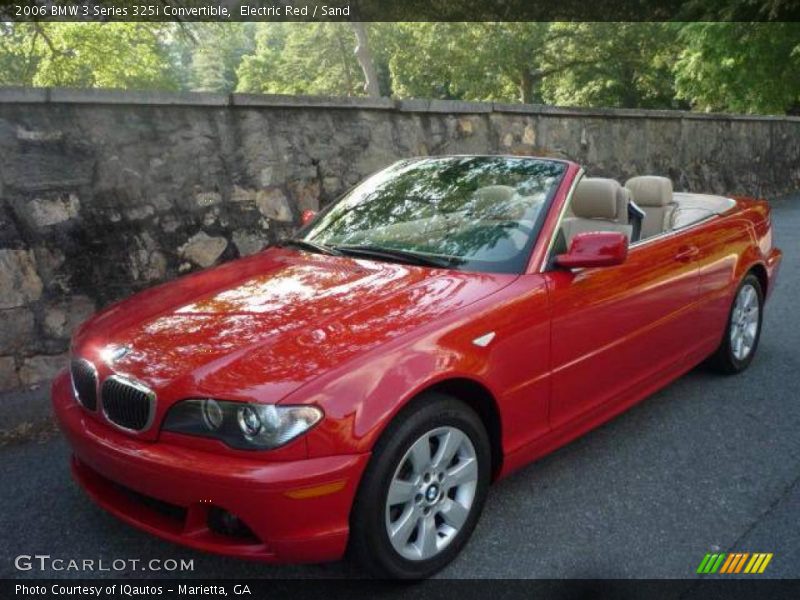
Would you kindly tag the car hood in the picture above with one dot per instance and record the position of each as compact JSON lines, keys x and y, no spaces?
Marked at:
{"x":259,"y":327}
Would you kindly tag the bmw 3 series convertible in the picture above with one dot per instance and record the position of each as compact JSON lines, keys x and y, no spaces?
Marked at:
{"x":354,"y":390}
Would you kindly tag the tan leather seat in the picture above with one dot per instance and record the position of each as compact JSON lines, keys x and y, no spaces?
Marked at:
{"x":598,"y":205}
{"x":491,"y":199}
{"x":653,"y":195}
{"x":623,"y":196}
{"x":499,"y":203}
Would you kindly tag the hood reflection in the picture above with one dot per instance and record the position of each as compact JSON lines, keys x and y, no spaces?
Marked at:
{"x":292,"y":316}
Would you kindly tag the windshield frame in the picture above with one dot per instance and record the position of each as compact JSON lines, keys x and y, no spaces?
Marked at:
{"x":515,"y":265}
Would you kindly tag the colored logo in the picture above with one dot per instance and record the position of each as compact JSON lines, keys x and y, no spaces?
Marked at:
{"x":734,"y":562}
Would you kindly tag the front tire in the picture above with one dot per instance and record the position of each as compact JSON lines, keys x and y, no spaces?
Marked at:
{"x":423,"y":491}
{"x":740,"y":342}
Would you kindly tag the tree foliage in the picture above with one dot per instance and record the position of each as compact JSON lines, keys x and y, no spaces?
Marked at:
{"x":106,"y":55}
{"x":302,"y":58}
{"x":740,"y":67}
{"x":215,"y":52}
{"x":614,"y":64}
{"x":17,"y":61}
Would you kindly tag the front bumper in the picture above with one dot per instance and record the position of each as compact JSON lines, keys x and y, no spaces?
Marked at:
{"x":297,"y":511}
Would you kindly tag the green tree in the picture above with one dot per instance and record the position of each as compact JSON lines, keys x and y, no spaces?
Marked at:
{"x":107,"y":55}
{"x":734,"y":66}
{"x":18,"y":58}
{"x":216,"y":52}
{"x":432,"y":60}
{"x":483,"y":61}
{"x":630,"y":65}
{"x":525,"y":55}
{"x":302,"y":58}
{"x":740,"y":67}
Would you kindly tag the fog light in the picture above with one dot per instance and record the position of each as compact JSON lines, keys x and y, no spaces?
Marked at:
{"x":224,"y":522}
{"x":249,"y":422}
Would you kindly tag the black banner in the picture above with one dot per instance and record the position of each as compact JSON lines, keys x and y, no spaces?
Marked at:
{"x":437,"y":589}
{"x":399,"y":10}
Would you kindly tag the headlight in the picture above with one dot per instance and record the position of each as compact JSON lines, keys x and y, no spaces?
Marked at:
{"x":243,"y":425}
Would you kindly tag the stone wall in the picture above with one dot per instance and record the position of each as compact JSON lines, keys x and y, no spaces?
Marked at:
{"x":106,"y":193}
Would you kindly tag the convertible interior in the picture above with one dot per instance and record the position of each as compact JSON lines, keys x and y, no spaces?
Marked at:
{"x":497,"y":220}
{"x":644,"y":207}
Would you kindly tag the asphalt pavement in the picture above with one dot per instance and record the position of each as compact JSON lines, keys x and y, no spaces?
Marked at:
{"x":709,"y":464}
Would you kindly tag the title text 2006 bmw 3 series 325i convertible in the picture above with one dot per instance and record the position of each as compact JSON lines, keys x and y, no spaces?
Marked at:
{"x":357,"y":388}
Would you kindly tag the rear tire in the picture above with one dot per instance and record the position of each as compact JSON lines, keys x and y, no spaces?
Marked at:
{"x":423,"y":490}
{"x":740,"y":342}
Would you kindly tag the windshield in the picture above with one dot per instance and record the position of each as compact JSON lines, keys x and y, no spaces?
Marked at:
{"x":471,"y":212}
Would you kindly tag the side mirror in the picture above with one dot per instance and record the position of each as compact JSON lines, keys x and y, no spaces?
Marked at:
{"x":307,"y":216}
{"x":595,"y":249}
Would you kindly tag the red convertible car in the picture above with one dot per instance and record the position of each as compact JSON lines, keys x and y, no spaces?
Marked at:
{"x":447,"y":321}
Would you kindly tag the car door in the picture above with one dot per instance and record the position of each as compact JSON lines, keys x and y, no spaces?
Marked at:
{"x":617,"y":330}
{"x":720,"y":243}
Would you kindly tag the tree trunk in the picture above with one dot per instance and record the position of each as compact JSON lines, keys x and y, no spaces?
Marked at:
{"x":526,"y":87}
{"x":364,"y":57}
{"x":630,"y":95}
{"x":348,"y":76}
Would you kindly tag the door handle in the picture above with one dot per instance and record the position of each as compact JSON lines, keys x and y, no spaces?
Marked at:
{"x":687,"y":253}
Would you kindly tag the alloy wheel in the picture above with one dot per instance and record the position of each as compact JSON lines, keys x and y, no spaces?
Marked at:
{"x":431,"y":493}
{"x":744,"y":322}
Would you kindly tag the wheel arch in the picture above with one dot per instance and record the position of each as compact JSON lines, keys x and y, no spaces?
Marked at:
{"x":482,"y":401}
{"x":457,"y":387}
{"x":760,"y":271}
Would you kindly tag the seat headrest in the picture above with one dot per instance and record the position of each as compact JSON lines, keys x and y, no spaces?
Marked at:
{"x":497,"y":202}
{"x":650,"y":190}
{"x":596,"y":198}
{"x":492,"y":194}
{"x":623,"y":198}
